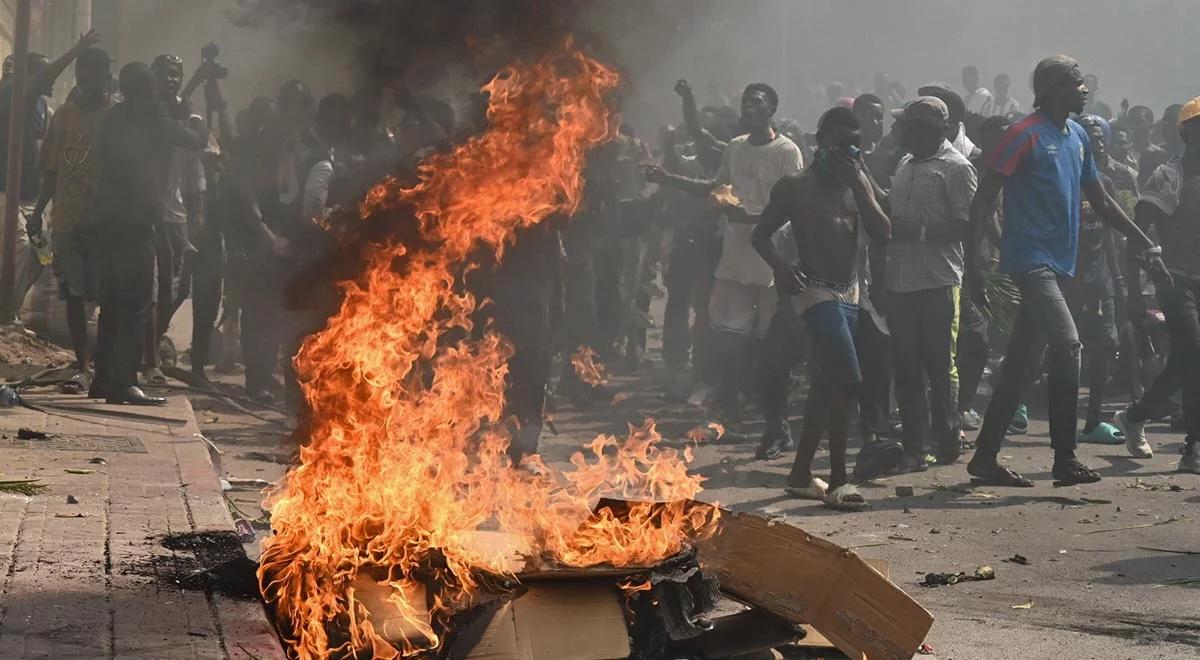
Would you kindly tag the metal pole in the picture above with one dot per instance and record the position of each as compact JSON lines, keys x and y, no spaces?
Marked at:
{"x":16,"y":143}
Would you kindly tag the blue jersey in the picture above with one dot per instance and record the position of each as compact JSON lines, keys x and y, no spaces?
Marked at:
{"x":1044,"y":166}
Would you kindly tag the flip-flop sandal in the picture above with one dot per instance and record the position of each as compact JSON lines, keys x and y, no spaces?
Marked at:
{"x":846,"y":498}
{"x":77,"y":384}
{"x":154,"y":376}
{"x":1073,"y":474}
{"x":1104,"y":434}
{"x":815,"y":490}
{"x":877,"y":459}
{"x":1002,"y":476}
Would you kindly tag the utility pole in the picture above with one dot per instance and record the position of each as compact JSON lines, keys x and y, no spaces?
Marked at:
{"x":16,"y":143}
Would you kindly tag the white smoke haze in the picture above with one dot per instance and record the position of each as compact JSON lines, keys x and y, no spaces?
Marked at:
{"x":1138,"y":48}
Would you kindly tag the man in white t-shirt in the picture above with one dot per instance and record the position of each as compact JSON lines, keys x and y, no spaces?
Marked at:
{"x":1002,"y":103}
{"x":978,"y":96}
{"x":743,"y":300}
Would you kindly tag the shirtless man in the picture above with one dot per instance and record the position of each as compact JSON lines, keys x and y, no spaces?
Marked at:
{"x":825,"y":204}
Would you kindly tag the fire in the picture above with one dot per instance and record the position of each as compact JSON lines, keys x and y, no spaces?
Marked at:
{"x":404,"y":464}
{"x":700,"y":433}
{"x":587,"y":366}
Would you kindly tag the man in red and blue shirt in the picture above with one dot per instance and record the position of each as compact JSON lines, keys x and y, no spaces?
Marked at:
{"x":1044,"y":165}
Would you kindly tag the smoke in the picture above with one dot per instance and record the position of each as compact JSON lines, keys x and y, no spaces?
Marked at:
{"x":417,"y":44}
{"x":1141,"y":51}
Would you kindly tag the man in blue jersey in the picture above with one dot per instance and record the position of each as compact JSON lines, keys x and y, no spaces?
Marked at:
{"x":1043,"y":163}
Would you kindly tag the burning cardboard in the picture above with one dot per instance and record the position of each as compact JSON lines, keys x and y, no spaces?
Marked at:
{"x":783,"y":575}
{"x":575,"y":620}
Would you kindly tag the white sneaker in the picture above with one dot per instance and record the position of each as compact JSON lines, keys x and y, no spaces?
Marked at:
{"x":1135,"y":435}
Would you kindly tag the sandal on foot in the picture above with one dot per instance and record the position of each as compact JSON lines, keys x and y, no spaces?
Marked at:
{"x":154,"y":376}
{"x":998,"y":475}
{"x":1103,"y":434}
{"x":845,"y":498}
{"x":1073,"y":473}
{"x":815,"y":490}
{"x":77,"y":384}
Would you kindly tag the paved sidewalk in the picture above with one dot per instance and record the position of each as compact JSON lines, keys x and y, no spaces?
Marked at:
{"x":94,"y":579}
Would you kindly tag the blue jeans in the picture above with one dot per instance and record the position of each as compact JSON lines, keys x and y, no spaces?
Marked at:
{"x":1044,"y":325}
{"x":834,"y":360}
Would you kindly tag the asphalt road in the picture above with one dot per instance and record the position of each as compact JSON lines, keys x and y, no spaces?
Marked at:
{"x":1095,"y":591}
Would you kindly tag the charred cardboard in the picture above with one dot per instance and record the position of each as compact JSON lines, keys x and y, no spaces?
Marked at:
{"x":377,"y":597}
{"x":783,"y":569}
{"x":565,"y":620}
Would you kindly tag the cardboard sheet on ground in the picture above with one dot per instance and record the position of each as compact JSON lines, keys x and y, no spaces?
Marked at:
{"x":579,"y":620}
{"x":783,"y":569}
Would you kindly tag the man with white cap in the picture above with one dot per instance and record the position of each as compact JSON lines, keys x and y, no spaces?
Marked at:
{"x":1171,"y":203}
{"x":930,"y":210}
{"x":1043,"y":163}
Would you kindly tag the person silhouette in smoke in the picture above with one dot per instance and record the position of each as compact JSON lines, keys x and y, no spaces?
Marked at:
{"x":978,"y":97}
{"x":133,"y":150}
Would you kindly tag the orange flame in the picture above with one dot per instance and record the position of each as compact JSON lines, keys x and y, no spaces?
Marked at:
{"x":700,"y":433}
{"x":588,"y":368}
{"x":405,"y":460}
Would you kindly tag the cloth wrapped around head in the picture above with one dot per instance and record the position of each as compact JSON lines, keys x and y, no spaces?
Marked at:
{"x":1049,"y":73}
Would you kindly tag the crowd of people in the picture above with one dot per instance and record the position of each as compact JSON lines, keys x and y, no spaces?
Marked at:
{"x":875,"y":250}
{"x":139,"y":203}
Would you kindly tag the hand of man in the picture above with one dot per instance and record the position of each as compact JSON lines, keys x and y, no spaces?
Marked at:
{"x":91,"y":38}
{"x":850,"y":173}
{"x":791,"y":280}
{"x":1158,"y":272}
{"x":683,"y":88}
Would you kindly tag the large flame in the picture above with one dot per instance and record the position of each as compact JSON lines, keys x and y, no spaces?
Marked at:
{"x":405,"y":460}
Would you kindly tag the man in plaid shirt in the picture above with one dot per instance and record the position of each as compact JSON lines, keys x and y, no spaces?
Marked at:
{"x":930,"y":203}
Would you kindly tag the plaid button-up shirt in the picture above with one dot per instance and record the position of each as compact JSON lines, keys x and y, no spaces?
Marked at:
{"x":929,"y":192}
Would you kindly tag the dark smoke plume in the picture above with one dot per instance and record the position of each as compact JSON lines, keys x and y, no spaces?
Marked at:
{"x":417,"y":41}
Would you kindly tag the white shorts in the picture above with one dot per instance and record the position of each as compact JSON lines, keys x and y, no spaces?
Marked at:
{"x":741,"y":308}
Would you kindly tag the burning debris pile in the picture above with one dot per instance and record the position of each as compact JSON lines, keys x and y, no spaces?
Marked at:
{"x":406,"y":530}
{"x":404,"y":460}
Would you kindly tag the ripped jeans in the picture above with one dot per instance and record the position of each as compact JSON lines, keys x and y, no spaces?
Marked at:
{"x":1044,"y":325}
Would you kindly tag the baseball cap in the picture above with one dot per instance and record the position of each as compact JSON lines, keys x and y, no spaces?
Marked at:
{"x":928,"y":110}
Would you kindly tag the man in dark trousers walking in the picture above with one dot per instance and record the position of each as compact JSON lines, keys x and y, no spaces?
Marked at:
{"x":1043,"y":163}
{"x":133,"y":150}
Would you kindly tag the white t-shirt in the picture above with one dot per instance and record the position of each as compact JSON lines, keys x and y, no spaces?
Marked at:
{"x":979,"y":100}
{"x":752,"y":171}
